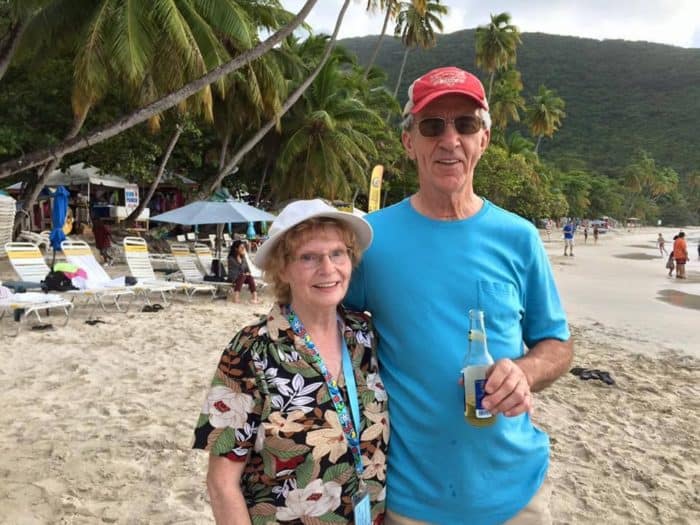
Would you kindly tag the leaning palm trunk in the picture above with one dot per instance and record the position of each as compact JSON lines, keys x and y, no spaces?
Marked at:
{"x":537,"y":146}
{"x":9,"y":47}
{"x":31,"y":194}
{"x":40,"y":157}
{"x":293,"y":98}
{"x":131,"y":219}
{"x":403,"y":65}
{"x":373,"y":58}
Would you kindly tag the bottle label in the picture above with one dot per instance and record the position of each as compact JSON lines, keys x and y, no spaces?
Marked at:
{"x":480,"y":391}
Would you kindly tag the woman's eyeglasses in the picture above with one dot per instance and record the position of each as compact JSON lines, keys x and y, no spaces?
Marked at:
{"x":313,"y":260}
{"x":435,"y":126}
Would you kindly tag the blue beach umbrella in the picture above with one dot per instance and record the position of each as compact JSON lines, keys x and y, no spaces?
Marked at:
{"x":59,"y":210}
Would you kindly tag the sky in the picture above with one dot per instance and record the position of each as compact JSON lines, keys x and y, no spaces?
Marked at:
{"x":673,"y":22}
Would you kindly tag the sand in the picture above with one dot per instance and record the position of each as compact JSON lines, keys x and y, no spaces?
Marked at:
{"x":98,"y":419}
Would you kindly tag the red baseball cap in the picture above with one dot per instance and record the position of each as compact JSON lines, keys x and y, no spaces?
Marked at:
{"x":444,"y":81}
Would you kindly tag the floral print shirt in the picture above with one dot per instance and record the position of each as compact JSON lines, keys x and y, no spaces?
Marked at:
{"x":268,"y":404}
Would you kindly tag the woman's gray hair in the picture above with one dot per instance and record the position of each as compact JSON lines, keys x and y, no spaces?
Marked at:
{"x":407,"y":122}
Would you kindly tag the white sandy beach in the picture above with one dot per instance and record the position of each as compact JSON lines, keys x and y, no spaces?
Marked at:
{"x":98,"y":419}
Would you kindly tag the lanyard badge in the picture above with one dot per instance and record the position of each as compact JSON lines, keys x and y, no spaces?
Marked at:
{"x":360,"y":501}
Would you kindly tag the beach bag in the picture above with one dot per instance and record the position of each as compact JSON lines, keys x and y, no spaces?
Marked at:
{"x":218,"y":272}
{"x":56,"y":281}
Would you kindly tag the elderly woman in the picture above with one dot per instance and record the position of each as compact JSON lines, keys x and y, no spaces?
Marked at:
{"x":296,"y":420}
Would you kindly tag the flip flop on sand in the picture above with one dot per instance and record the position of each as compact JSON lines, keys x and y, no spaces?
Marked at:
{"x":586,"y":374}
{"x":152,"y":307}
{"x":41,"y":327}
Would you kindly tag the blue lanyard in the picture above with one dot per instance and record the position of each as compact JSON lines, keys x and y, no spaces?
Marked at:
{"x":349,"y":375}
{"x":349,"y":426}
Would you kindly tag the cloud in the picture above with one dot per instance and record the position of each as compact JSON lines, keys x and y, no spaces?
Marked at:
{"x":673,"y":22}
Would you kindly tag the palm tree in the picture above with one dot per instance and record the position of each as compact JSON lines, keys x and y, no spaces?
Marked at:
{"x":18,"y":13}
{"x":147,"y":48}
{"x":496,"y":45}
{"x":327,"y":146}
{"x":516,"y":144}
{"x":545,"y":114}
{"x":291,"y":100}
{"x":506,"y":102}
{"x":390,"y":7}
{"x":416,"y":28}
{"x":144,"y":113}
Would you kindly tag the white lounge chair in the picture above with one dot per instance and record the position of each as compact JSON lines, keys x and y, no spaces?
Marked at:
{"x":204,"y":257}
{"x":136,"y":252}
{"x":80,"y":254}
{"x":40,"y":239}
{"x":191,"y":273}
{"x":7,"y":221}
{"x":20,"y":306}
{"x":30,"y":266}
{"x":255,"y":271}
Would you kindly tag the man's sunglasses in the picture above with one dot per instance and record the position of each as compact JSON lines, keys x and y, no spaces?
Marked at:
{"x":435,"y":126}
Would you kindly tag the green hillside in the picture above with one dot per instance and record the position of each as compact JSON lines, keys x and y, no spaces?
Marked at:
{"x":619,"y":95}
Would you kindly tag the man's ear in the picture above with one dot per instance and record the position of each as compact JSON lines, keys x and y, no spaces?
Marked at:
{"x":485,"y":139}
{"x":407,"y":140}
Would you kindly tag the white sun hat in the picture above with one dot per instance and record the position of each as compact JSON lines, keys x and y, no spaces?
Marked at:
{"x":303,"y":210}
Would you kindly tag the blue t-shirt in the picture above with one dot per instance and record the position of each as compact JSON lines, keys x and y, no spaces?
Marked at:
{"x":568,"y":231}
{"x":419,"y":279}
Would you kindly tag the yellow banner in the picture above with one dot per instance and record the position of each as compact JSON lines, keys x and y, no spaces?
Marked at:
{"x":375,"y":188}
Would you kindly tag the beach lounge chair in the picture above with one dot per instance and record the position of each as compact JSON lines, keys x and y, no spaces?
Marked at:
{"x":40,"y":239}
{"x":80,"y":254}
{"x":204,"y":257}
{"x":136,"y":252}
{"x":30,"y":266}
{"x":255,"y":272}
{"x":187,"y":263}
{"x":7,"y":221}
{"x":21,"y":306}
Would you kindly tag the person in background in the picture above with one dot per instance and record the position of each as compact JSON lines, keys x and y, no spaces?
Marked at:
{"x":585,"y":234}
{"x":471,"y":254}
{"x":239,"y":272}
{"x":569,"y":238}
{"x":661,"y":243}
{"x":296,"y":419}
{"x":680,"y":254}
{"x":103,"y":240}
{"x":596,"y":233}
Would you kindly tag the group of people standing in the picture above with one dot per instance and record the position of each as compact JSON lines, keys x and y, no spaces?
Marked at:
{"x":678,"y":257}
{"x":569,"y":230}
{"x":297,"y":421}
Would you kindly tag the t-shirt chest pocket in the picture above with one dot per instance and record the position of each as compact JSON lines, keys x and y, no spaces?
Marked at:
{"x":500,"y":303}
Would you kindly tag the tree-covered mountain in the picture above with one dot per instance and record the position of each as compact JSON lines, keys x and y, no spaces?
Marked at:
{"x":620,"y":96}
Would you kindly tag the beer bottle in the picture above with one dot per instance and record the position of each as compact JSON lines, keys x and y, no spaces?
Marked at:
{"x":477,"y":362}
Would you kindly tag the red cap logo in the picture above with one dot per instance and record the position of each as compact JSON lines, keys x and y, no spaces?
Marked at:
{"x":444,"y":81}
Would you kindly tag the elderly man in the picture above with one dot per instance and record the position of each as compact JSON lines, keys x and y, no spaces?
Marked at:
{"x":436,"y":255}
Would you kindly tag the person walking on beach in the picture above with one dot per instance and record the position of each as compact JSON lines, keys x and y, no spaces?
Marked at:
{"x":585,"y":235}
{"x":472,"y":255}
{"x":680,"y":254}
{"x":595,"y":234}
{"x":661,"y":242}
{"x":103,"y":240}
{"x":569,"y":238}
{"x":548,"y":229}
{"x":296,"y":419}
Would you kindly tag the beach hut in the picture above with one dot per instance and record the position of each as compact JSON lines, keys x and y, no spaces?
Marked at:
{"x":91,"y":193}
